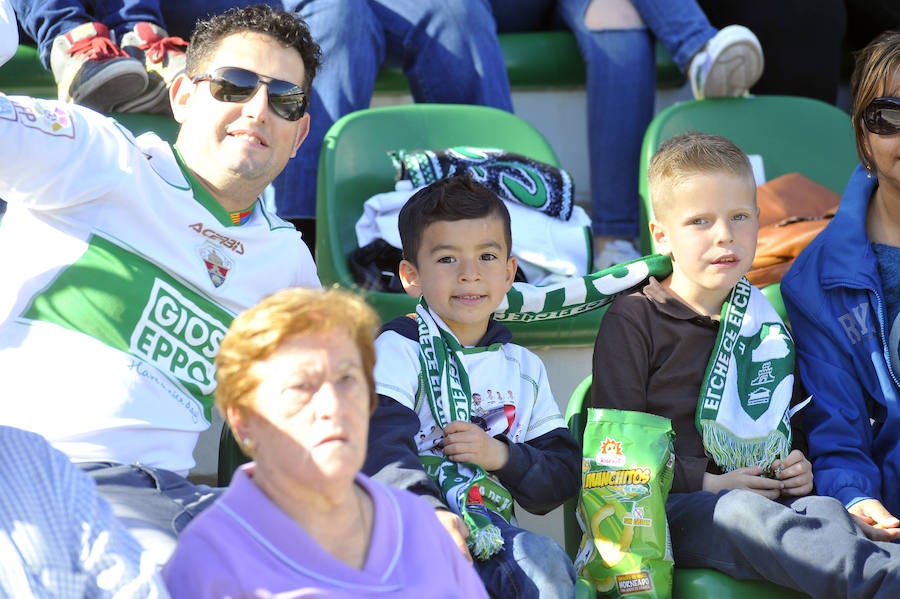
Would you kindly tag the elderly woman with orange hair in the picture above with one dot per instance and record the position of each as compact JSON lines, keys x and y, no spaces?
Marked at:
{"x":295,"y":384}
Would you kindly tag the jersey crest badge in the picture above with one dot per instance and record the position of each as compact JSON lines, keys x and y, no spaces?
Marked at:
{"x":217,"y":265}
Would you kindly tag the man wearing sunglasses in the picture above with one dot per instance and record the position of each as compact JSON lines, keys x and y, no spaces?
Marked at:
{"x":125,"y":260}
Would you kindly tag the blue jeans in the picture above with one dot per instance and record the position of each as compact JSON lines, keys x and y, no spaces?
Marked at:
{"x":528,"y":565}
{"x":44,"y":21}
{"x":621,"y":89}
{"x":810,"y":544}
{"x":154,"y":504}
{"x":448,"y":50}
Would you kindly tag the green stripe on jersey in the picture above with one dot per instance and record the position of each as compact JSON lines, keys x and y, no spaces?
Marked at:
{"x":129,"y":303}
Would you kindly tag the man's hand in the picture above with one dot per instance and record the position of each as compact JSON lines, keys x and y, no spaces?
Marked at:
{"x":748,"y":478}
{"x":457,"y":529}
{"x":876,"y":522}
{"x":795,"y":471}
{"x":468,"y":442}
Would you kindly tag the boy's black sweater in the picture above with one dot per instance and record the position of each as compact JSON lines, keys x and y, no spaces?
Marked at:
{"x":540,"y":475}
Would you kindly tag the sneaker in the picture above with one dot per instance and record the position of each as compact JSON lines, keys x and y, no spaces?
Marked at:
{"x":163,"y":58}
{"x":615,"y":252}
{"x":728,"y":66}
{"x":93,"y":71}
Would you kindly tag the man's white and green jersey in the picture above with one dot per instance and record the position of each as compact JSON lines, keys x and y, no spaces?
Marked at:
{"x":119,"y":275}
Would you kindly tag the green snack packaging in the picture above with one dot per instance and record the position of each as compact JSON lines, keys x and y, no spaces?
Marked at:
{"x":626,"y":472}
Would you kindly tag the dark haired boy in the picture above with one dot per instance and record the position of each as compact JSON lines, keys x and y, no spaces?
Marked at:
{"x":456,"y":241}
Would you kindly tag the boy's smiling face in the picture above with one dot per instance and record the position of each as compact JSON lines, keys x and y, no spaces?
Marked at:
{"x":464,"y":270}
{"x":709,"y":227}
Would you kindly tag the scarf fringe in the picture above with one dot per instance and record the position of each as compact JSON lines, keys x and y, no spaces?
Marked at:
{"x":734,"y":453}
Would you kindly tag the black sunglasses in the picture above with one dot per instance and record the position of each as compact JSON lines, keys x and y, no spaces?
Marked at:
{"x":882,"y":116}
{"x":233,"y":84}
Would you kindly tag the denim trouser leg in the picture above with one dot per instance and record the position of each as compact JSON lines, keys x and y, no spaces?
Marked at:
{"x":681,"y":26}
{"x":621,"y":90}
{"x":154,"y":505}
{"x":44,"y":21}
{"x":353,"y":48}
{"x":529,"y":565}
{"x":122,"y":15}
{"x":448,"y":50}
{"x":810,"y":544}
{"x":179,"y":16}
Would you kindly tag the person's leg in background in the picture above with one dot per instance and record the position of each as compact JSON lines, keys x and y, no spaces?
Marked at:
{"x":353,"y":49}
{"x":45,"y":21}
{"x":75,"y":45}
{"x":718,"y":62}
{"x":621,"y":89}
{"x":140,"y":30}
{"x":449,"y":51}
{"x":802,"y":46}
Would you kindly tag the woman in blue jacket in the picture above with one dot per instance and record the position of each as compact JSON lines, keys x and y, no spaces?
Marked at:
{"x":843,"y":300}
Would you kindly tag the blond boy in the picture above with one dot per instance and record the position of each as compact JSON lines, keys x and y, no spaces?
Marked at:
{"x":652,"y":353}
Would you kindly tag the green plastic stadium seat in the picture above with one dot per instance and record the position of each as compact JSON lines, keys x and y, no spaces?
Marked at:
{"x":687,"y":583}
{"x":25,"y":75}
{"x":354,"y":166}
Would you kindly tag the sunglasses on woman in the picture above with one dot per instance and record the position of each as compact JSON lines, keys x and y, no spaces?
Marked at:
{"x":233,"y":84}
{"x":882,"y":116}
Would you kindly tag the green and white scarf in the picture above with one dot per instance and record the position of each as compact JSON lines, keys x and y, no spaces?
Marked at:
{"x":465,"y":486}
{"x":742,"y":412}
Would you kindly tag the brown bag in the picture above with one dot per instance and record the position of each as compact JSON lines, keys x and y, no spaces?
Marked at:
{"x":792,"y":211}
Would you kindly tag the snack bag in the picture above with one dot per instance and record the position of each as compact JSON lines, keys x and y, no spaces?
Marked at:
{"x":627,"y":472}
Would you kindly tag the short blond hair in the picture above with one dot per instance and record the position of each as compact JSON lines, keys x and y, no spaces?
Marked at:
{"x":259,"y":331}
{"x":689,"y":154}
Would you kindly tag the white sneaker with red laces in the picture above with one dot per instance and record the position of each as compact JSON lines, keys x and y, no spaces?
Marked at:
{"x":91,"y":70}
{"x":163,"y":57}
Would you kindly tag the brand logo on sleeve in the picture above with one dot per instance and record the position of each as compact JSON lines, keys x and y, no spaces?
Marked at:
{"x":45,"y":116}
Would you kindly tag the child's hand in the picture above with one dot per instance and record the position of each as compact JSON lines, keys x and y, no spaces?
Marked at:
{"x":467,"y":442}
{"x":749,"y":478}
{"x":877,"y":523}
{"x":795,"y":471}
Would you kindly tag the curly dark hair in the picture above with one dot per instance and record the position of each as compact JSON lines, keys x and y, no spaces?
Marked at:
{"x":286,"y":28}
